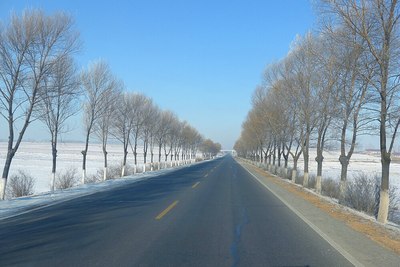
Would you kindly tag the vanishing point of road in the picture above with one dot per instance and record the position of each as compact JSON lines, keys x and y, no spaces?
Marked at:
{"x":210,"y":214}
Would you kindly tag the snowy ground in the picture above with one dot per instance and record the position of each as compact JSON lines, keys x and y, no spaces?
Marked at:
{"x":361,"y":162}
{"x":35,"y":158}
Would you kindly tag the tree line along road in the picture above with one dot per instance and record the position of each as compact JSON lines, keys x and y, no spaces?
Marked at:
{"x":210,"y":214}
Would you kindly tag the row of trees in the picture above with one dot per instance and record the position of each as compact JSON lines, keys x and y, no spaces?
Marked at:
{"x":210,"y":149}
{"x":333,"y":85}
{"x":133,"y":119}
{"x":39,"y":81}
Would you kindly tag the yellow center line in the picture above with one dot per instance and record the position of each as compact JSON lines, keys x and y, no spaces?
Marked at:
{"x":206,"y":175}
{"x":196,"y":184}
{"x":169,"y":208}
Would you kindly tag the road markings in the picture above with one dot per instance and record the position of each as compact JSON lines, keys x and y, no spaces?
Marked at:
{"x":168,"y":209}
{"x":206,"y":175}
{"x":196,"y":184}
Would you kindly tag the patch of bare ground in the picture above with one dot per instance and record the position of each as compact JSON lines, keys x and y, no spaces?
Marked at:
{"x":385,"y":236}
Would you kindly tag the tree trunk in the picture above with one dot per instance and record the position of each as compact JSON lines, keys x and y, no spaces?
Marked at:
{"x":84,"y":154}
{"x":306,"y":159}
{"x":135,"y":155}
{"x":124,"y":162}
{"x":384,"y":192}
{"x":344,"y":162}
{"x":279,"y":156}
{"x":6,"y":170}
{"x":105,"y":164}
{"x":319,"y":159}
{"x":294,"y":171}
{"x":54,"y":163}
{"x":159,"y":156}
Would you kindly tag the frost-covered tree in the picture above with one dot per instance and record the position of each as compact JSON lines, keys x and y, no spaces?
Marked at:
{"x":102,"y":126}
{"x":98,"y":83}
{"x":58,"y":102}
{"x":30,"y":46}
{"x":376,"y":22}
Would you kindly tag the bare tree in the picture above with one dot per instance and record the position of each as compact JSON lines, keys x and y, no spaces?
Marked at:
{"x":352,"y":93}
{"x":175,"y":140}
{"x":171,"y":137}
{"x":150,"y":114}
{"x":30,"y":45}
{"x":163,"y":130}
{"x":59,"y":102}
{"x":122,"y":126}
{"x":102,"y":126}
{"x":153,"y":134}
{"x":138,"y":105}
{"x":190,"y":137}
{"x":293,"y":130}
{"x":98,"y":83}
{"x":304,"y":69}
{"x":325,"y":108}
{"x":377,"y":23}
{"x":210,"y":149}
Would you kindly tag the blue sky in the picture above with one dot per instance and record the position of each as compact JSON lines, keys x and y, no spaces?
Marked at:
{"x":200,"y":59}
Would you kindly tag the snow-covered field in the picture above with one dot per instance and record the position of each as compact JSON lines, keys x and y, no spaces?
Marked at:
{"x":35,"y":159}
{"x":361,"y":162}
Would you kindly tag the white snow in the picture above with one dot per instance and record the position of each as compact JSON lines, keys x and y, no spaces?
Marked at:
{"x":360,"y":162}
{"x":35,"y":158}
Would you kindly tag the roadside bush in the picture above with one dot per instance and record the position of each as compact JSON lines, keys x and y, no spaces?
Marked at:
{"x":94,"y":178}
{"x":362,"y":194}
{"x":299,"y":178}
{"x":275,"y":170}
{"x":288,"y":174}
{"x":312,"y":180}
{"x":155,"y":166}
{"x":20,"y":184}
{"x":67,"y":179}
{"x":394,"y":212}
{"x":129,"y":170}
{"x":330,"y":188}
{"x":113,"y":171}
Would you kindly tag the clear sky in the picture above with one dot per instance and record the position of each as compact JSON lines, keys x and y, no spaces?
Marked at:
{"x":200,"y":59}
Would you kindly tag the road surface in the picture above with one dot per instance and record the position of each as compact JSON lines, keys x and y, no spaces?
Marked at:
{"x":210,"y":214}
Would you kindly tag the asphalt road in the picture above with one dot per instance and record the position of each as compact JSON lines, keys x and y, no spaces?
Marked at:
{"x":210,"y":214}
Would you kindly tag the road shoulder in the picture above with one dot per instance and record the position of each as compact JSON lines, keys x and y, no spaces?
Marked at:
{"x":367,"y":242}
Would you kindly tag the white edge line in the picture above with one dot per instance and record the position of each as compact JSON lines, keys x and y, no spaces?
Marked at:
{"x":335,"y":245}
